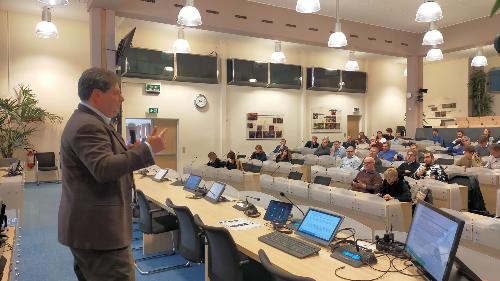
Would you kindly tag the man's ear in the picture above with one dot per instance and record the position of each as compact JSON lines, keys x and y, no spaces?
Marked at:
{"x":95,"y":95}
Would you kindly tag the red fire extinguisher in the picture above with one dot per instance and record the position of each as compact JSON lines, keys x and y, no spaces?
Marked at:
{"x":30,"y":158}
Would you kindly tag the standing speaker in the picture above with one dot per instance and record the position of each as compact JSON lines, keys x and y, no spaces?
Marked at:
{"x":497,"y":43}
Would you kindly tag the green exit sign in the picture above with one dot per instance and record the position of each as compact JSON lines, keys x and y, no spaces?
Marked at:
{"x":153,"y":88}
{"x":153,"y":110}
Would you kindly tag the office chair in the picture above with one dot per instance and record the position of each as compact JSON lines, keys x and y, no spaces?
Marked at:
{"x":277,"y":273}
{"x":151,"y":223}
{"x":45,"y":162}
{"x":225,"y":263}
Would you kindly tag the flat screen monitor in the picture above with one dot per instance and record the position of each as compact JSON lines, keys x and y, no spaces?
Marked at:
{"x":192,"y":183}
{"x":278,"y":211}
{"x":215,"y":192}
{"x":319,"y":226}
{"x":433,"y":240}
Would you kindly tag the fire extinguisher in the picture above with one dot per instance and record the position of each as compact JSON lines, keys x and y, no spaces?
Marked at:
{"x":30,"y":158}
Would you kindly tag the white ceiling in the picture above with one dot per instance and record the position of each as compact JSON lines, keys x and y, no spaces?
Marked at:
{"x":396,"y":14}
{"x":76,"y":9}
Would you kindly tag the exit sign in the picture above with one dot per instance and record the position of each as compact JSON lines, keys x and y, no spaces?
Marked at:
{"x":153,"y":110}
{"x":153,"y":88}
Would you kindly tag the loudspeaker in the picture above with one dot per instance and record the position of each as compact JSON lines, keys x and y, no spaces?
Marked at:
{"x":497,"y":43}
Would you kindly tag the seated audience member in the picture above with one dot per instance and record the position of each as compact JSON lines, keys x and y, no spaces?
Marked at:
{"x":330,"y":144}
{"x":418,"y":154}
{"x":459,"y":148}
{"x":337,"y":150}
{"x":380,"y":137}
{"x":436,"y":138}
{"x":351,"y":161}
{"x":398,"y":139}
{"x":429,"y":170}
{"x":388,"y":154}
{"x":410,"y":166}
{"x":457,"y":140}
{"x":388,"y":134}
{"x":482,"y":148}
{"x":323,"y":149}
{"x":284,"y":156}
{"x":394,"y":187}
{"x":313,"y":143}
{"x":470,"y":158}
{"x":281,"y":146}
{"x":373,"y":154}
{"x":367,"y":180}
{"x":232,"y":162}
{"x":213,"y":161}
{"x":374,"y":142}
{"x":493,"y":161}
{"x":487,"y":134}
{"x":362,"y":138}
{"x":349,"y":142}
{"x":259,"y":154}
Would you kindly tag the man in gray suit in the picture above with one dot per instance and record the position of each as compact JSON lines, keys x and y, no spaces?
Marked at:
{"x":95,"y":214}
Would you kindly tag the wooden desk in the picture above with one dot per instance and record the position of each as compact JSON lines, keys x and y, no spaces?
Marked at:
{"x":320,"y":267}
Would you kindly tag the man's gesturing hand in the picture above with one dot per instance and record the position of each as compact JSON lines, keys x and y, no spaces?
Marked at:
{"x":156,"y":141}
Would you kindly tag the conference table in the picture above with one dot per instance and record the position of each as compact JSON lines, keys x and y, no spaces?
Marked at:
{"x":320,"y":267}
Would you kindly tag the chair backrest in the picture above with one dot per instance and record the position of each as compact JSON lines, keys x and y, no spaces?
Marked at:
{"x":223,"y":257}
{"x":277,"y":273}
{"x":145,"y":223}
{"x":46,"y":159}
{"x":191,"y":241}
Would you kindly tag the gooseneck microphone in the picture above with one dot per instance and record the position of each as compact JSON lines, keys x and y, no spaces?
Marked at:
{"x":272,"y":174}
{"x":283,"y":194}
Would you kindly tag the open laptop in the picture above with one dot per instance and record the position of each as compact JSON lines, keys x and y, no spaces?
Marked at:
{"x":319,"y":226}
{"x":192,"y":183}
{"x":433,"y":240}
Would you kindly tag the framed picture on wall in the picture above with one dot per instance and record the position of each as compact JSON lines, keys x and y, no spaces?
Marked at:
{"x":324,"y":120}
{"x":264,"y":126}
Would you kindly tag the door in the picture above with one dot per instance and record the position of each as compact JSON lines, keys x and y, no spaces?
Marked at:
{"x":353,"y":125}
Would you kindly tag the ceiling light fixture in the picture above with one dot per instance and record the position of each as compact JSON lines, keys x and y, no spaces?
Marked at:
{"x":278,"y":56}
{"x":429,"y":11}
{"x":479,"y":60}
{"x":181,"y":45}
{"x":434,"y":54}
{"x":337,"y":39}
{"x":433,"y":36}
{"x":189,"y":15}
{"x":45,"y":28}
{"x":54,"y":2}
{"x":352,"y":64}
{"x":307,"y":6}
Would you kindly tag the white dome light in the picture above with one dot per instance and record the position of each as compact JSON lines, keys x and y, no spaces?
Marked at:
{"x":189,"y":15}
{"x":181,"y":45}
{"x":434,"y":54}
{"x":278,"y":56}
{"x":433,"y":36}
{"x":479,"y":60}
{"x":338,"y":38}
{"x":54,"y":2}
{"x":45,"y":28}
{"x":429,"y":11}
{"x":352,"y":64}
{"x":307,"y":6}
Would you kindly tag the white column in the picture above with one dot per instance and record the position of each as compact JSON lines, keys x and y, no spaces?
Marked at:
{"x":102,"y":38}
{"x":414,"y":109}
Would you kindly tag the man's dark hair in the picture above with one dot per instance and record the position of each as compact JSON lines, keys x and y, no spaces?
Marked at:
{"x":95,"y":78}
{"x":483,"y":139}
{"x":435,"y":130}
{"x":461,"y":131}
{"x":469,"y":148}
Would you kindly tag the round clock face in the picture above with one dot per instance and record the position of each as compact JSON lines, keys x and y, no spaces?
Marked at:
{"x":200,"y":101}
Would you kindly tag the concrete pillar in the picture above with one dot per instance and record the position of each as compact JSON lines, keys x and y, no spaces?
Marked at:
{"x":102,"y":38}
{"x":414,"y":109}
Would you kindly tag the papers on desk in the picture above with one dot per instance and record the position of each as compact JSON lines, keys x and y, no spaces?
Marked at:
{"x":239,"y":224}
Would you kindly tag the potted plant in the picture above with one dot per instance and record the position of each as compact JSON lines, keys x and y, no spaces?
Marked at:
{"x":20,"y":117}
{"x":481,"y":100}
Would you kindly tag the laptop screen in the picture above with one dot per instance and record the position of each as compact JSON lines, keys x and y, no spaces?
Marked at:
{"x":319,"y":226}
{"x":216,"y":191}
{"x":192,"y":183}
{"x":278,"y":211}
{"x":433,"y":240}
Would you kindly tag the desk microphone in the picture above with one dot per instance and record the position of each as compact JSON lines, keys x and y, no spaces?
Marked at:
{"x":194,"y":159}
{"x":272,"y":174}
{"x":283,"y":194}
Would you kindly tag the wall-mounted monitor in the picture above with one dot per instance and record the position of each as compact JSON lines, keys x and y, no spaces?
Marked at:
{"x":285,"y":76}
{"x":354,"y":81}
{"x":148,"y":64}
{"x":247,"y":73}
{"x":196,"y":68}
{"x":322,"y":79}
{"x":494,"y":80}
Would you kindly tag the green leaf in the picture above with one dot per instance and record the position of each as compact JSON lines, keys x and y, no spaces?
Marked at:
{"x":495,"y":8}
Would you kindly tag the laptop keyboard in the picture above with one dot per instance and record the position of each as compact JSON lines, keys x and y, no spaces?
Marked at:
{"x":289,"y":245}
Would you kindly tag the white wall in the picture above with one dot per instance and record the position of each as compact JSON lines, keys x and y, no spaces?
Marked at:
{"x":50,"y":67}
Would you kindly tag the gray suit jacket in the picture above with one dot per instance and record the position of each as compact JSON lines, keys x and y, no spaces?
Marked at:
{"x":95,"y":210}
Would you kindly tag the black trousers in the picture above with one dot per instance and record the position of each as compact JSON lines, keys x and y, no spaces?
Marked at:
{"x":104,"y":265}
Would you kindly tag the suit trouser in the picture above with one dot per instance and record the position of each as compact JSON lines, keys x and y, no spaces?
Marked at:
{"x":104,"y":265}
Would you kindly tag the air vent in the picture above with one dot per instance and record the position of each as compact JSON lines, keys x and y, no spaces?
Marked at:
{"x":178,"y":5}
{"x":353,"y":36}
{"x":212,"y":12}
{"x":404,"y":44}
{"x":388,"y":41}
{"x":267,"y":21}
{"x":291,"y":25}
{"x":149,"y":1}
{"x":240,"y":17}
{"x":313,"y":29}
{"x":372,"y":38}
